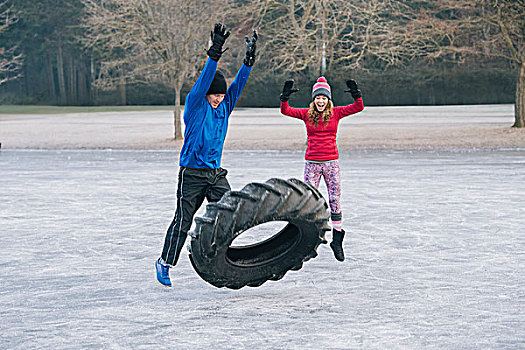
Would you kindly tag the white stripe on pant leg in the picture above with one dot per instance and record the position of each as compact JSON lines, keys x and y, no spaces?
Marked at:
{"x":180,"y":223}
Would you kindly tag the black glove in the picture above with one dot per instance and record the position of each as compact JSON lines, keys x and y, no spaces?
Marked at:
{"x":250,"y":49}
{"x":218,"y":37}
{"x":288,"y":90}
{"x":352,"y":89}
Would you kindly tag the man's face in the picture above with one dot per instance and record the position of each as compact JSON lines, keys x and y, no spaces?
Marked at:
{"x":215,"y":99}
{"x":320,"y":102}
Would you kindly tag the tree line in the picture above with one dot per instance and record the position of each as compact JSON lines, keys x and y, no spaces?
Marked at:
{"x":100,"y":52}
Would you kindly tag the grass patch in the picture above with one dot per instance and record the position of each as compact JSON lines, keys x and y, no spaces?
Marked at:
{"x":16,"y":109}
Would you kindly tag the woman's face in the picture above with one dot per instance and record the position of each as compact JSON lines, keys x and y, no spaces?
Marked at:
{"x":320,"y":101}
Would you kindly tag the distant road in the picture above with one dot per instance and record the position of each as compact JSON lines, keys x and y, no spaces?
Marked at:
{"x":376,"y":128}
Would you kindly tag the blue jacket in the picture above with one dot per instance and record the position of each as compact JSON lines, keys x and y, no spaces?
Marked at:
{"x":205,"y":126}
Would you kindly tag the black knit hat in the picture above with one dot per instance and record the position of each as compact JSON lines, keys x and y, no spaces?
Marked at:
{"x":218,"y":85}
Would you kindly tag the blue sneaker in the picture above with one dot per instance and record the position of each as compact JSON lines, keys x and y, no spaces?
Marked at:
{"x":163,"y":273}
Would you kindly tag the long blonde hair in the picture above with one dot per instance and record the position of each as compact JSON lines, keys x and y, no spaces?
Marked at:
{"x":314,"y":116}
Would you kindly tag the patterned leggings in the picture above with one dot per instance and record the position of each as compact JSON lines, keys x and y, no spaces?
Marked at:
{"x":332,"y":177}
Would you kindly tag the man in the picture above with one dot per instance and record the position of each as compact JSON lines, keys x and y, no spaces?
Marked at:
{"x":207,"y":109}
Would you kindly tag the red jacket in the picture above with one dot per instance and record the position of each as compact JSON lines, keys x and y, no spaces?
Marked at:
{"x":321,"y":143}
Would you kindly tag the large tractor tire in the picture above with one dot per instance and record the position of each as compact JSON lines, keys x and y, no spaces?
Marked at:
{"x":293,"y":201}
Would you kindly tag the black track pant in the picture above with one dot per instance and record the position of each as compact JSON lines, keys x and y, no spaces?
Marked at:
{"x":194,"y":185}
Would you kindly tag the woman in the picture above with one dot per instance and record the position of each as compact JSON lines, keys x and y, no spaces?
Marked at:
{"x":322,"y":155}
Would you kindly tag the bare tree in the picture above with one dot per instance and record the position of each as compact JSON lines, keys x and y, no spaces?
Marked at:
{"x":153,"y":40}
{"x":455,"y":29}
{"x":10,"y":60}
{"x":315,"y":35}
{"x":303,"y":34}
{"x":494,"y":28}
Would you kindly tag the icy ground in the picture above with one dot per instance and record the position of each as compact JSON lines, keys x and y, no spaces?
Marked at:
{"x":435,"y":249}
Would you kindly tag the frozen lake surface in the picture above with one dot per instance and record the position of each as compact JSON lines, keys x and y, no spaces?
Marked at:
{"x":435,"y":256}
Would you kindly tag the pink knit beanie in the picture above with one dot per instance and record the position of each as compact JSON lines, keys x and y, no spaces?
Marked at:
{"x":321,"y":87}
